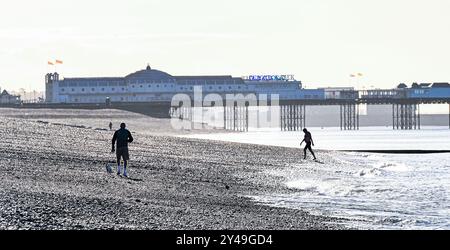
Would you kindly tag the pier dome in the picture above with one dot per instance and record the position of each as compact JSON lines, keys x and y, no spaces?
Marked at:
{"x":150,"y":74}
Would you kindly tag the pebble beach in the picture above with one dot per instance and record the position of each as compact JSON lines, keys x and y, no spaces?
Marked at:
{"x":52,"y":167}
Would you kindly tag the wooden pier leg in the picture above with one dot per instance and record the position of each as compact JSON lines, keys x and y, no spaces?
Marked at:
{"x":345,"y":116}
{"x":357,"y":117}
{"x":246,"y":118}
{"x":398,"y":116}
{"x":418,"y":114}
{"x":239,"y":118}
{"x":402,"y":110}
{"x":353,"y":117}
{"x":349,"y":116}
{"x":284,"y":118}
{"x":281,"y":117}
{"x":292,"y":118}
{"x":304,"y":116}
{"x":295,"y":117}
{"x":407,"y":115}
{"x":228,"y":117}
{"x":301,"y":116}
{"x":224,"y":118}
{"x":300,"y":119}
{"x":238,"y":115}
{"x":291,"y":111}
{"x":401,"y":116}
{"x":235,"y":118}
{"x":243,"y":118}
{"x":288,"y":113}
{"x":349,"y":113}
{"x":411,"y":116}
{"x":287,"y":117}
{"x":393,"y":117}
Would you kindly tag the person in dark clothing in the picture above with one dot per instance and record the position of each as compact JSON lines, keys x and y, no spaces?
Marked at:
{"x":308,"y":140}
{"x":123,"y":137}
{"x":110,"y":125}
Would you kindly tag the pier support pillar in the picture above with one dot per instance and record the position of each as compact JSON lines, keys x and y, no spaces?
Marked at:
{"x":236,"y":117}
{"x":292,"y":117}
{"x":182,"y":112}
{"x":349,"y":116}
{"x":405,"y":116}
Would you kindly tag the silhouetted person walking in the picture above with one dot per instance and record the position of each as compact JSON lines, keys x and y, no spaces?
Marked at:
{"x":110,"y":125}
{"x":123,"y":137}
{"x":308,"y":140}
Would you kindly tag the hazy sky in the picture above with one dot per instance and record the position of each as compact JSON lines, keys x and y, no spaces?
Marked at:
{"x":320,"y":41}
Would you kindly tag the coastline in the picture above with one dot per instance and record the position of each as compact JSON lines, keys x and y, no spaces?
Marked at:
{"x":54,"y":178}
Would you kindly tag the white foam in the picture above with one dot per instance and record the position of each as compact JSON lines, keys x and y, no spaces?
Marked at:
{"x":371,"y":172}
{"x":374,"y":191}
{"x":327,"y":187}
{"x":393,"y":166}
{"x":304,"y":185}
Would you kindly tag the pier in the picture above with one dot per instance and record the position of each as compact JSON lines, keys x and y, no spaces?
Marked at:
{"x":292,"y":112}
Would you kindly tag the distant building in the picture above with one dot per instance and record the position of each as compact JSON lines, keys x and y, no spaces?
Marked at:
{"x":441,"y":85}
{"x":150,"y":85}
{"x":8,"y":99}
{"x":402,"y":86}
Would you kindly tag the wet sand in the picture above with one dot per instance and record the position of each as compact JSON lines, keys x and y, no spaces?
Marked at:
{"x":52,"y":167}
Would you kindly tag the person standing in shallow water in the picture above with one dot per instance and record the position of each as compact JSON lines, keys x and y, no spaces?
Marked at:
{"x":123,"y":137}
{"x":308,"y":140}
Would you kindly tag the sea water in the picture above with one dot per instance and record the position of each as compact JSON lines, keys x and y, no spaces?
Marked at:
{"x":373,"y":191}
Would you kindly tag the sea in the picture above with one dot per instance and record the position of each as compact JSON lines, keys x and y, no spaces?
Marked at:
{"x":367,"y":190}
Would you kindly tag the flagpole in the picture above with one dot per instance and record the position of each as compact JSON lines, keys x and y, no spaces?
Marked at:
{"x":360,"y":75}
{"x":58,"y":62}
{"x":357,"y":82}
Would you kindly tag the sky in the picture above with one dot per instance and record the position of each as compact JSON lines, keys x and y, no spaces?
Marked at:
{"x":321,"y":42}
